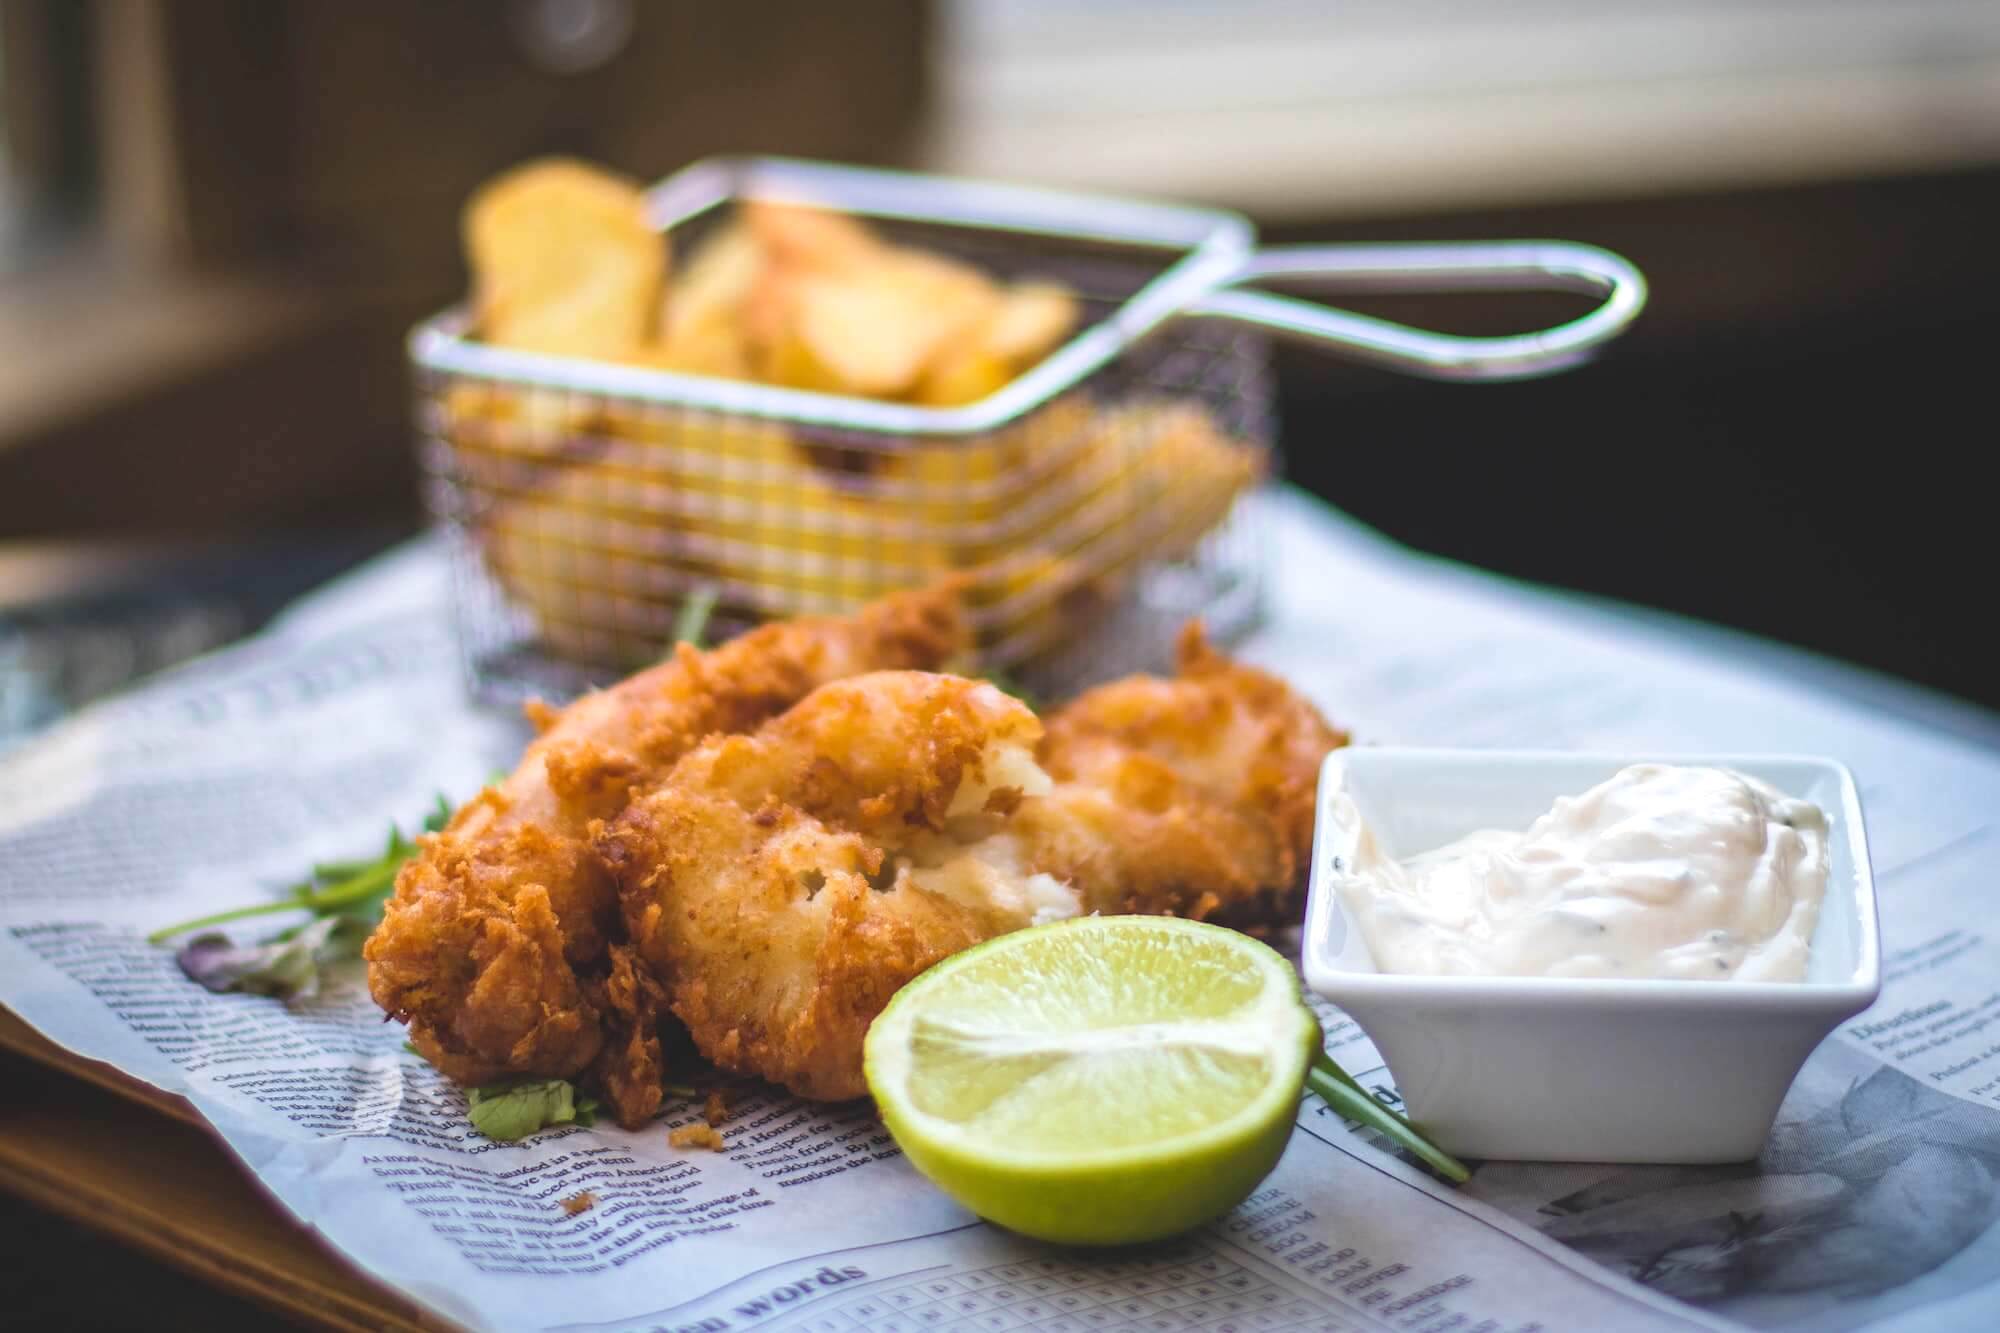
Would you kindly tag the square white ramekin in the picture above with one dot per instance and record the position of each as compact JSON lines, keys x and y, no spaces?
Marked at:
{"x":1581,"y":1070}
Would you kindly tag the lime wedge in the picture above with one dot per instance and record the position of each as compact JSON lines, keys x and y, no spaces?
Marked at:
{"x":1097,"y":1081}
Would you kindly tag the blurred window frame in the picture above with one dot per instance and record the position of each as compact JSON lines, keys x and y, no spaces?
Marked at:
{"x":212,"y":341}
{"x":1298,"y":112}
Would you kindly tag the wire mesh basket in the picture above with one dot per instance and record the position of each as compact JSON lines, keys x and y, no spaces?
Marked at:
{"x":1086,"y":507}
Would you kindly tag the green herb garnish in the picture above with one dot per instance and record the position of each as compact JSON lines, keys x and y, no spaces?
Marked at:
{"x":1348,"y":1098}
{"x":287,"y":966}
{"x":345,"y":899}
{"x":334,"y":888}
{"x":514,"y":1110}
{"x":691,"y":623}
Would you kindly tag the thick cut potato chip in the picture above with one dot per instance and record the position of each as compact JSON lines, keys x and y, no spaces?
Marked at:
{"x":582,"y":550}
{"x":872,"y":331}
{"x":708,"y":351}
{"x":1025,"y":323}
{"x":522,"y":422}
{"x":564,"y":261}
{"x":962,"y":374}
{"x":799,"y":236}
{"x":507,"y":439}
{"x":838,"y":310}
{"x":702,"y":328}
{"x":728,"y":500}
{"x":1032,"y":318}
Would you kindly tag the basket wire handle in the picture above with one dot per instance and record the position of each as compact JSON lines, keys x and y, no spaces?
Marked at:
{"x":1487,"y":265}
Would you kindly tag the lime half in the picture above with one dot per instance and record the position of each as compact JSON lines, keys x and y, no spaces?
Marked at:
{"x":1097,"y":1081}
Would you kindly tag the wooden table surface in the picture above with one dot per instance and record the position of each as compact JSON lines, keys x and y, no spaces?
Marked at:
{"x":107,"y":1155}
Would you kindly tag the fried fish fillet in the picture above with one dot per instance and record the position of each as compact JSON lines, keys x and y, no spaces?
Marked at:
{"x":1184,"y":796}
{"x":503,"y":946}
{"x":783,"y":885}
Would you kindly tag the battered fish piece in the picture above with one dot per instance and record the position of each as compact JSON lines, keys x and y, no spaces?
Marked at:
{"x":783,"y":885}
{"x":1191,"y":796}
{"x":503,"y":946}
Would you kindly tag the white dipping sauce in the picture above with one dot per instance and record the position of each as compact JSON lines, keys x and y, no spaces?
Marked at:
{"x":1664,"y":872}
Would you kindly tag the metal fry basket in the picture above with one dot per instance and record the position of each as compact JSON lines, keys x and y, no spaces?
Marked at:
{"x":1087,"y":505}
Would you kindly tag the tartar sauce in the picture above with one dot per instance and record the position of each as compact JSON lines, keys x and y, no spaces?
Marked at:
{"x":1662,"y":872}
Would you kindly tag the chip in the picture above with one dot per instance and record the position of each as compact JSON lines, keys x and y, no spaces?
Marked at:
{"x":702,"y":326}
{"x":564,"y":261}
{"x":799,"y":236}
{"x":1032,"y":318}
{"x":874,"y":330}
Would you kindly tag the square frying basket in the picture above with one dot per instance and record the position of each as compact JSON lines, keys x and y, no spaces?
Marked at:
{"x":1087,"y":506}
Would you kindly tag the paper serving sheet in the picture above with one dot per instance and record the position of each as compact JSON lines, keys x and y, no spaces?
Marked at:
{"x":1873,"y":1206}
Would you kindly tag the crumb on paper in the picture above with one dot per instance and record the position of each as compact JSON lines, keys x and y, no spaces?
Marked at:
{"x":581,"y":1202}
{"x":716,"y":1111}
{"x":698,"y":1135}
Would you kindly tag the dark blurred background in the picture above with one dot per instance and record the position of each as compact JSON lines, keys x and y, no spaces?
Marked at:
{"x":218,"y":217}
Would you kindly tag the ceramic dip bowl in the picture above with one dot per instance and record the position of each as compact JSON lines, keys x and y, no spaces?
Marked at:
{"x":1568,"y":1069}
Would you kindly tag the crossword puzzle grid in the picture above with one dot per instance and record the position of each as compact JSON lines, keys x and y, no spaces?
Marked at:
{"x":1199,"y":1291}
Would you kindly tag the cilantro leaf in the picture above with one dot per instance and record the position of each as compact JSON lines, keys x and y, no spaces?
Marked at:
{"x":287,"y":967}
{"x":510,"y":1111}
